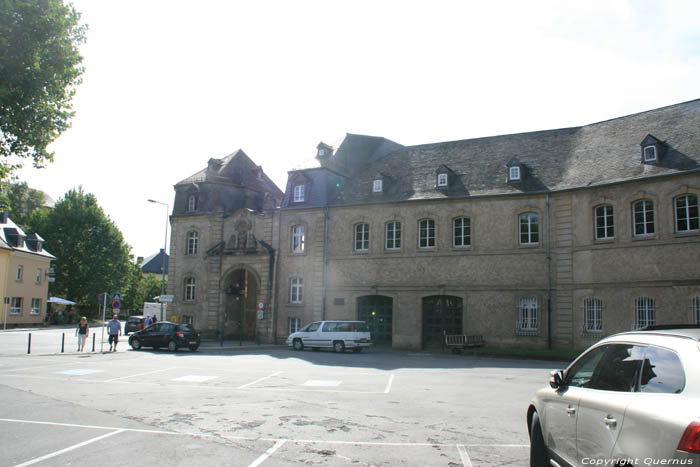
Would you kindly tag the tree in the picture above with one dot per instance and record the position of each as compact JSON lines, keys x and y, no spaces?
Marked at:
{"x":91,"y":255}
{"x":23,"y":202}
{"x":140,"y":288}
{"x":39,"y":69}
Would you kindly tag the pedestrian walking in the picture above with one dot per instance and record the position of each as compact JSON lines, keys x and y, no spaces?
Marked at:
{"x":114,"y":328}
{"x":82,"y":332}
{"x":148,"y":320}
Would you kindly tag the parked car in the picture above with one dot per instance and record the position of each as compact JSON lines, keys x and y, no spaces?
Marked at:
{"x":336,"y":335}
{"x":134,"y":323}
{"x":630,"y":399}
{"x":166,"y":334}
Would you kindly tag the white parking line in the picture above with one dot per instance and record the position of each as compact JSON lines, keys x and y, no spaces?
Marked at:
{"x":140,"y":374}
{"x":260,"y":379}
{"x":71,"y":448}
{"x":388,"y":385}
{"x":268,"y":453}
{"x":466,"y":461}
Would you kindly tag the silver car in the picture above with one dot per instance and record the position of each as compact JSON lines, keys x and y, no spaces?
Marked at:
{"x":630,"y":399}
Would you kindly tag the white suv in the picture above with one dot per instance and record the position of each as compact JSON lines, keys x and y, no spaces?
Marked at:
{"x":336,"y":335}
{"x":631,"y":399}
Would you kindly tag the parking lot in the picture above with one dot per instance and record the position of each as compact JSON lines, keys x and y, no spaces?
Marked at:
{"x":266,"y":405}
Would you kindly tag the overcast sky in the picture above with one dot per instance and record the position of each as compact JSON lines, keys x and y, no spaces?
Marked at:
{"x":170,"y":84}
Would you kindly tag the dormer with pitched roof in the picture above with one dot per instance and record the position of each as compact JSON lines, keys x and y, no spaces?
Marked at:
{"x":323,"y":153}
{"x":516,"y":174}
{"x":445,"y":177}
{"x":653,"y":149}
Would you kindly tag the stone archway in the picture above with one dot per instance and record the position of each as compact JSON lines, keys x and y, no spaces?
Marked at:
{"x":241,"y":288}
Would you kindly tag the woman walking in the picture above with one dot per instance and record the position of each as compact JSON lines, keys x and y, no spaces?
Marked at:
{"x":82,"y":332}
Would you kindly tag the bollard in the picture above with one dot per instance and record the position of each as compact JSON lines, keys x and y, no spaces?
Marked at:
{"x":93,"y":341}
{"x":29,"y":343}
{"x":63,"y":341}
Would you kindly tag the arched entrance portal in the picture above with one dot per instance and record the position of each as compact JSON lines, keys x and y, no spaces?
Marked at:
{"x":240,"y":315}
{"x":441,"y":314}
{"x":377,"y":312}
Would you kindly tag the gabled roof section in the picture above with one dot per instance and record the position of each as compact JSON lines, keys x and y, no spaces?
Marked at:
{"x":10,"y":232}
{"x":153,"y":263}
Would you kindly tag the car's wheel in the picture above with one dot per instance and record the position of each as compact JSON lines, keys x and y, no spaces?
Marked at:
{"x":538,"y":450}
{"x":136,"y":344}
{"x":193,"y":347}
{"x":298,"y":344}
{"x":172,"y":346}
{"x":357,"y":349}
{"x":339,"y":346}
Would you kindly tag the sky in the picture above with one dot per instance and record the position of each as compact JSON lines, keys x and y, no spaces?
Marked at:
{"x":170,"y":84}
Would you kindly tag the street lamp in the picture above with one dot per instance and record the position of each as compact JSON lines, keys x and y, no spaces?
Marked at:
{"x":165,"y":245}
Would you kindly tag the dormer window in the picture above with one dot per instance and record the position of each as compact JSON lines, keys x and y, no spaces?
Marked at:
{"x":442,"y":180}
{"x":514,"y":173}
{"x":192,"y":203}
{"x":321,"y":152}
{"x":377,"y":186}
{"x":649,"y":153}
{"x":299,"y":193}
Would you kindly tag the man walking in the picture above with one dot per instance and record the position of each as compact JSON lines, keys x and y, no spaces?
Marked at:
{"x":115,"y":330}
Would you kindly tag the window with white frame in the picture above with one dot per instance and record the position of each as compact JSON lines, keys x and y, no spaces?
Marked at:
{"x":514,"y":173}
{"x":20,"y":272}
{"x":643,"y":214}
{"x":687,"y":213}
{"x":294,"y":324}
{"x":187,"y":319}
{"x":393,"y":235}
{"x":649,"y":153}
{"x":296,"y":285}
{"x":190,"y":288}
{"x":299,"y":193}
{"x":192,"y":243}
{"x":604,"y":222}
{"x":644,"y":312}
{"x":592,"y":314}
{"x":426,"y":233}
{"x":529,"y":228}
{"x":528,"y":319}
{"x":16,"y":306}
{"x":461,"y":232}
{"x":695,"y":306}
{"x":37,"y":279}
{"x":442,"y":180}
{"x":377,"y":186}
{"x":36,"y":306}
{"x":192,"y":203}
{"x":298,"y":239}
{"x":361,"y":237}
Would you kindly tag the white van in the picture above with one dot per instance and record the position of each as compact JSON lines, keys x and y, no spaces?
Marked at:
{"x":336,"y":335}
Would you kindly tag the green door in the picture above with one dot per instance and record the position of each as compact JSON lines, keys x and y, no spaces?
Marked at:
{"x":441,"y":314}
{"x":377,"y":311}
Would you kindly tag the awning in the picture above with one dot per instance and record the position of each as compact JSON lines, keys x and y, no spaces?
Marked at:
{"x":60,"y":301}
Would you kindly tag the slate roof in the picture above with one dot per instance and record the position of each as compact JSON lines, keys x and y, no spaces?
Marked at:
{"x":153,"y":263}
{"x":596,"y":154}
{"x":9,"y":232}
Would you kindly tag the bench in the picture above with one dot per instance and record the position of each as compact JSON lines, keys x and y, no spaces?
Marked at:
{"x":458,"y":342}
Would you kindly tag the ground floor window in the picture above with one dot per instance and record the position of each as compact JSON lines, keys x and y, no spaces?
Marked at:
{"x":528,"y":319}
{"x":592,"y":314}
{"x":187,"y":319}
{"x":644,"y":312}
{"x":36,"y":306}
{"x":296,"y":285}
{"x":294,"y":324}
{"x":696,"y":309}
{"x":16,"y":306}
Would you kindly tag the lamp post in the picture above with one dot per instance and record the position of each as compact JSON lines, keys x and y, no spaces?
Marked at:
{"x":165,"y":245}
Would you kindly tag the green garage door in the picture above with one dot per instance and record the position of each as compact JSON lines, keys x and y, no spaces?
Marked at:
{"x":377,"y":312}
{"x":441,"y":314}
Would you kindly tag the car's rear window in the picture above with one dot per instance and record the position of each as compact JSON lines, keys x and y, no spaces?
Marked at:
{"x":186,"y":328}
{"x":662,"y":372}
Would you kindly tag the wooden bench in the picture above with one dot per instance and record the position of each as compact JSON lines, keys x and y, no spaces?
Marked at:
{"x":458,"y":342}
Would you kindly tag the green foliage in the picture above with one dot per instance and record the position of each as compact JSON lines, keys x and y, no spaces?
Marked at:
{"x":39,"y":69}
{"x":23,"y":202}
{"x":92,"y":256}
{"x":141,"y":288}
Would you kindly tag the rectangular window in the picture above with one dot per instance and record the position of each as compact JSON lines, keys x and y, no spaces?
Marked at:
{"x":16,"y":306}
{"x":461,"y":232}
{"x":393,"y":235}
{"x":643,"y":217}
{"x":298,"y":239}
{"x":37,"y":279}
{"x":529,"y":229}
{"x":442,"y":180}
{"x":527,"y":314}
{"x":361,"y":237}
{"x":695,"y":306}
{"x":190,"y":288}
{"x":604,"y":223}
{"x":644,"y":312}
{"x":299,"y":193}
{"x":192,"y":243}
{"x":295,"y":290}
{"x":377,"y":186}
{"x":426,"y":233}
{"x":294,"y":325}
{"x":649,"y":153}
{"x":20,"y":271}
{"x":592,"y":314}
{"x":192,"y":204}
{"x":687,"y":213}
{"x":514,"y":173}
{"x":36,"y":306}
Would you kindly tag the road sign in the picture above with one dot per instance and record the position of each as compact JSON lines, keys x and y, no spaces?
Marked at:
{"x":116,"y":304}
{"x":166,"y":298}
{"x":261,"y":305}
{"x":117,"y":296}
{"x":51,"y":279}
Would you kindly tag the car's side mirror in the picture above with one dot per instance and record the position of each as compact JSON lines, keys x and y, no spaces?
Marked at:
{"x":557,"y":379}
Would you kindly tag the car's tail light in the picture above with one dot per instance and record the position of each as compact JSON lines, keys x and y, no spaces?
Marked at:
{"x":180,"y":334}
{"x":690,"y":441}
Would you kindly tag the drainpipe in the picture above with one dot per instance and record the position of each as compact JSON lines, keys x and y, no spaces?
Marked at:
{"x":218,"y":289}
{"x":325,"y":262}
{"x":549,"y":279}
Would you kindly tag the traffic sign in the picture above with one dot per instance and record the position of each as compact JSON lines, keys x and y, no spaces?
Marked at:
{"x":261,"y":305}
{"x":166,"y":298}
{"x":116,"y":304}
{"x":117,"y":296}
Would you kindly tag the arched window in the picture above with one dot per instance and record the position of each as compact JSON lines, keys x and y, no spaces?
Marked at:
{"x":687,"y":213}
{"x":192,"y":243}
{"x":190,"y":288}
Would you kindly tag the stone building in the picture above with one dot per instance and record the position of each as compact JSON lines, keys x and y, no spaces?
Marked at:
{"x":544,"y":239}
